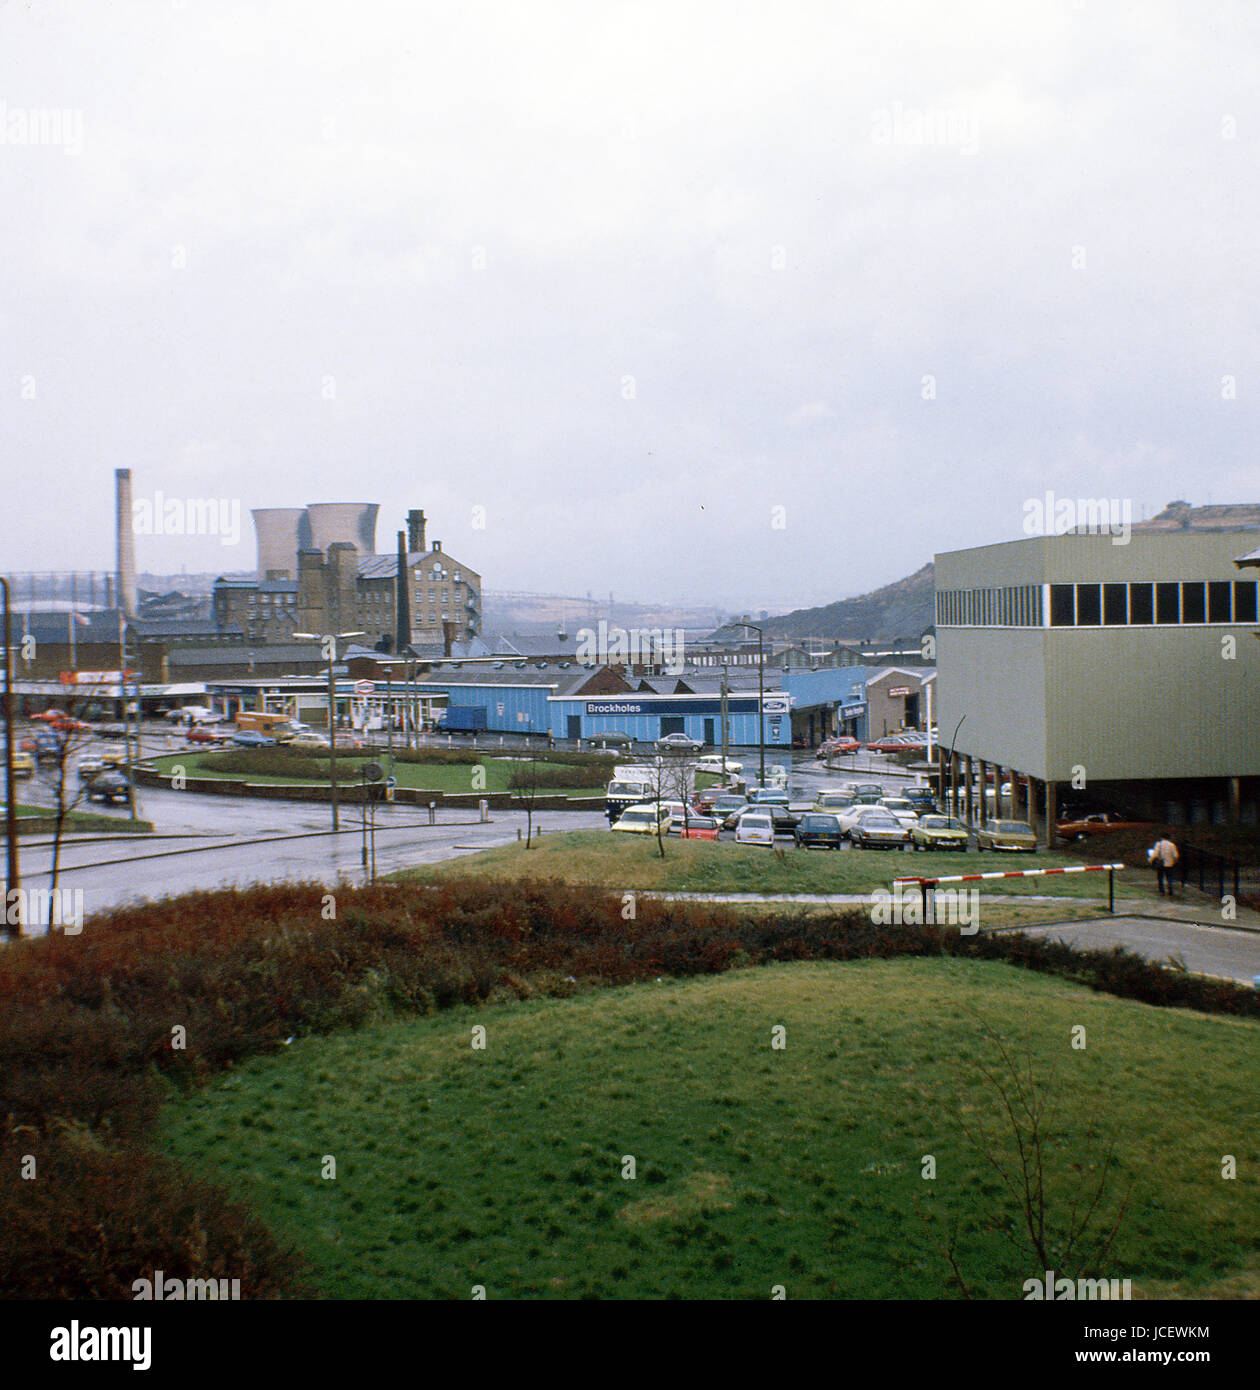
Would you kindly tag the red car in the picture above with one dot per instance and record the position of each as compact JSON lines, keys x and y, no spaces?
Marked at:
{"x":50,"y":714}
{"x":66,"y":725}
{"x":844,"y":744}
{"x":701,"y":828}
{"x":198,"y":734}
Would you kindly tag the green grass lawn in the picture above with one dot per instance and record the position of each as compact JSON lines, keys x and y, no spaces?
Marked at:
{"x":754,"y":1167}
{"x":76,"y":822}
{"x":437,"y":777}
{"x":721,"y":866}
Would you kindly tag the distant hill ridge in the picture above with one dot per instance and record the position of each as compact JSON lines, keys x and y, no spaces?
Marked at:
{"x":906,"y":607}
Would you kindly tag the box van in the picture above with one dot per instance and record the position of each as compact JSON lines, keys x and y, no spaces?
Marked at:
{"x":277,"y":726}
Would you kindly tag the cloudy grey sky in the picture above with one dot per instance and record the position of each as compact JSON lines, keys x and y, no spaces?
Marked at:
{"x":628,"y":276}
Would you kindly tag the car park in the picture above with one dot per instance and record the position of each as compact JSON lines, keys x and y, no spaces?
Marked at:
{"x":251,"y":738}
{"x":815,"y":828}
{"x":110,"y":786}
{"x":939,"y":832}
{"x":756,"y":827}
{"x":878,"y":829}
{"x":644,"y":818}
{"x":1013,"y":835}
{"x":699,"y":828}
{"x":678,"y":743}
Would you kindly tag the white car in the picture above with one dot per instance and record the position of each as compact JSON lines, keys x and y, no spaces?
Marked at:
{"x":850,"y":818}
{"x":644,"y":818}
{"x":712,"y":762}
{"x":308,"y":739}
{"x":901,"y":809}
{"x":755,"y":828}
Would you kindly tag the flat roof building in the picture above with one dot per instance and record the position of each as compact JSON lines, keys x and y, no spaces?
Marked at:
{"x":1105,"y":667}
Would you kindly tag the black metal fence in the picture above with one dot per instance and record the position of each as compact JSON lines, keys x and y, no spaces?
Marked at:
{"x":1217,"y":874}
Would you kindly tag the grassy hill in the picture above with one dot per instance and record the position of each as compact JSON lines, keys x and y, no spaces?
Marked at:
{"x":754,"y":1166}
{"x":901,"y":609}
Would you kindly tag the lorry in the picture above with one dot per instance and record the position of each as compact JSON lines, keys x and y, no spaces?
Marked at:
{"x":462,"y":719}
{"x":281,"y":727}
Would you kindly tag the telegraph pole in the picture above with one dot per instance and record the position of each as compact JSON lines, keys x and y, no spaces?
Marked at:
{"x":13,"y":877}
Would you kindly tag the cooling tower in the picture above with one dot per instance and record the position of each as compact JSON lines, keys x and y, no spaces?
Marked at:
{"x":347,"y":522}
{"x":125,"y":541}
{"x":279,"y":531}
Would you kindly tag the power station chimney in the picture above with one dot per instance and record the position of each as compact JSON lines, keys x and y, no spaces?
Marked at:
{"x":402,"y":601}
{"x":125,"y":541}
{"x":415,"y":532}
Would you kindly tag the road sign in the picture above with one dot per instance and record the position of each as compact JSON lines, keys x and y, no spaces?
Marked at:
{"x":372,"y":772}
{"x":391,"y":781}
{"x":362,"y":688}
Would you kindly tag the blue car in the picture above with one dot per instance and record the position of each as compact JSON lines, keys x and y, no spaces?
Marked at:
{"x":251,"y":738}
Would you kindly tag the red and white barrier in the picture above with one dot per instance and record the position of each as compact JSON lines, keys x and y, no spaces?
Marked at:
{"x":1011,"y":873}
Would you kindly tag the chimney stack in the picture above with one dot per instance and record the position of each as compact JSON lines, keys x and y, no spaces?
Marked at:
{"x":402,"y":598}
{"x":415,"y":531}
{"x":125,"y":541}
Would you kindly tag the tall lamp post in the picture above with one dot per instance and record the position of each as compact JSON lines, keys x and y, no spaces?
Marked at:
{"x":330,"y":639}
{"x":13,"y":878}
{"x":953,"y":798}
{"x":761,"y":696}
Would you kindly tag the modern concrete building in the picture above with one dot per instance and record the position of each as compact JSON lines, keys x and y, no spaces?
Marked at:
{"x":1105,"y":672}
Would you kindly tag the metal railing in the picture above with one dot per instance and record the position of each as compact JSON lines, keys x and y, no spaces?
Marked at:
{"x":1217,"y":874}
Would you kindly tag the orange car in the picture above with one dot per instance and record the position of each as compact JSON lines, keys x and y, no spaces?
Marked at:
{"x":1097,"y":823}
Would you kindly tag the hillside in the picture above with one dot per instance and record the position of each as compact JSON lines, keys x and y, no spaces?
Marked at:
{"x":902,"y":609}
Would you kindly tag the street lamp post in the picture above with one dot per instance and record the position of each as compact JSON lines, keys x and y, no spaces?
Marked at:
{"x":330,"y":650}
{"x":761,"y":696}
{"x":953,"y":795}
{"x":13,"y":878}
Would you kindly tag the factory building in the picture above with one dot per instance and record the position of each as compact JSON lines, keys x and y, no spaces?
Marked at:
{"x":318,"y":571}
{"x":1111,"y":674}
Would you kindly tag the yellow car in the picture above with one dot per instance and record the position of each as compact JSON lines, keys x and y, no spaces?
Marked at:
{"x":23,"y":765}
{"x":644,"y":818}
{"x":1014,"y":835}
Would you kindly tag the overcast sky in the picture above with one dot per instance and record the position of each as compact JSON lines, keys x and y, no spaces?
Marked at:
{"x":629,"y":277}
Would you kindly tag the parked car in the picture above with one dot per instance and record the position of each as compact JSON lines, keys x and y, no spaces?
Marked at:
{"x":878,"y":829}
{"x":836,"y":747}
{"x":832,"y":801}
{"x":890,"y":743}
{"x":46,"y":747}
{"x":767,"y":796}
{"x":817,"y":828}
{"x":110,"y":785}
{"x":200,"y":734}
{"x":1014,"y":835}
{"x":939,"y":832}
{"x":700,"y":828}
{"x":729,"y":804}
{"x":850,"y":816}
{"x":23,"y":765}
{"x":114,"y":754}
{"x":712,"y":762}
{"x":923,"y":799}
{"x":251,"y":738}
{"x":1098,"y":823}
{"x":756,"y":827}
{"x":785,"y":820}
{"x":643,"y":818}
{"x":614,"y":738}
{"x":901,"y":810}
{"x":677,"y":813}
{"x":678,"y":743}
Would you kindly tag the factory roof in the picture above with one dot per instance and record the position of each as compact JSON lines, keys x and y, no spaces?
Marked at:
{"x":304,"y":654}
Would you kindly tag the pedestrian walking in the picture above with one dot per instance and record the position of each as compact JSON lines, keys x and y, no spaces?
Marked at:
{"x":1163,"y":856}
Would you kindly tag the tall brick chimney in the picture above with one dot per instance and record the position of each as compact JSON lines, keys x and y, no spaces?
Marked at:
{"x":415,"y":531}
{"x":125,"y":541}
{"x":402,"y":598}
